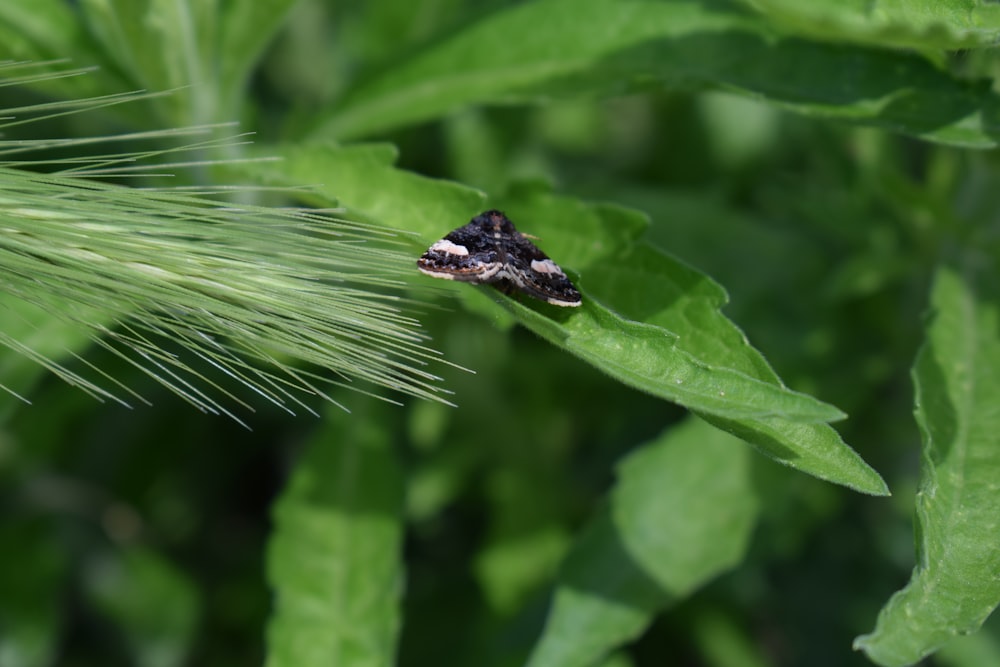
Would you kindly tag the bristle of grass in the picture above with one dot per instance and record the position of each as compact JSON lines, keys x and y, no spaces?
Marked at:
{"x":201,"y":294}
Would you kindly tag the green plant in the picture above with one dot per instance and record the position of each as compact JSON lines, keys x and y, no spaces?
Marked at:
{"x":636,"y":139}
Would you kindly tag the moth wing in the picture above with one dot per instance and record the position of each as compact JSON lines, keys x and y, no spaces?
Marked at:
{"x":465,"y":254}
{"x":532,"y":272}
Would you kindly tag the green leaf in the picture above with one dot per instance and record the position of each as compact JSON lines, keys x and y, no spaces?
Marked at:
{"x":648,"y":357}
{"x":154,"y":604}
{"x":156,"y":46}
{"x":725,"y":641}
{"x":30,"y":593}
{"x":163,"y":46}
{"x":610,"y":46}
{"x":480,"y":63}
{"x":681,"y":513}
{"x":816,"y":449}
{"x":36,"y":39}
{"x":944,"y":24}
{"x":954,"y":586}
{"x":647,"y":320}
{"x":40,"y":30}
{"x":525,"y":541}
{"x":334,"y":559}
{"x":246,"y":29}
{"x":363,"y":178}
{"x":616,"y":660}
{"x":976,"y":650}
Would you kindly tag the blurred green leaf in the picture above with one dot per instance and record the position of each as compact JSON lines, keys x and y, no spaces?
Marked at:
{"x":526,"y":540}
{"x":724,"y":643}
{"x":974,"y":650}
{"x":35,"y":570}
{"x":943,"y":24}
{"x":334,"y":559}
{"x":163,"y":46}
{"x":246,"y":29}
{"x":41,"y":37}
{"x":611,"y":47}
{"x":42,"y":30}
{"x":152,"y":603}
{"x":204,"y":51}
{"x":482,"y":64}
{"x":954,"y":586}
{"x":681,"y":513}
{"x":616,"y":660}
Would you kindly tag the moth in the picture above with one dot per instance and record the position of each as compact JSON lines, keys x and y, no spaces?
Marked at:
{"x":490,"y":250}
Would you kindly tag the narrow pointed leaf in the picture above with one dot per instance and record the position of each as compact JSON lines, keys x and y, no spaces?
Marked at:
{"x":816,"y":449}
{"x":954,"y":585}
{"x":607,"y":47}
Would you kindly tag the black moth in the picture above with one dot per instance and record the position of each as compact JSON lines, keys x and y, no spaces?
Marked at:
{"x":490,"y":250}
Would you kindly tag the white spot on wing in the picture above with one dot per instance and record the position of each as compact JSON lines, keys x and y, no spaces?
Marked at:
{"x":436,"y":274}
{"x":558,"y":302}
{"x":483,"y":273}
{"x":546,"y":266}
{"x":444,"y":245}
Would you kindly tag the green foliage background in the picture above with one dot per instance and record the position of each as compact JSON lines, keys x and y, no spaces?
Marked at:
{"x":781,"y":215}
